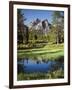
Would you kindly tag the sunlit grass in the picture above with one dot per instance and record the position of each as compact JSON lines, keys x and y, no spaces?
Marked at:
{"x":47,"y":52}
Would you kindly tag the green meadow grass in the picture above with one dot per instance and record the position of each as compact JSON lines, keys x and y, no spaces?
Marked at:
{"x":52,"y":52}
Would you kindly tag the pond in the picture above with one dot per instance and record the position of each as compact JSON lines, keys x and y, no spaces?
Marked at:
{"x":27,"y":65}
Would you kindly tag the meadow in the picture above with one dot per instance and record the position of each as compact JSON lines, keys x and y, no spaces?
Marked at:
{"x":50,"y":51}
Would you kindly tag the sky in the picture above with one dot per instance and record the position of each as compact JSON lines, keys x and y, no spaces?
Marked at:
{"x":31,"y":15}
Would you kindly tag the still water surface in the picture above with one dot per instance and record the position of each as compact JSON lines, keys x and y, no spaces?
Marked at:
{"x":29,"y":65}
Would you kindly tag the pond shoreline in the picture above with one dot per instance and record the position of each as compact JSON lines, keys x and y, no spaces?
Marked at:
{"x":36,"y":76}
{"x":49,"y":53}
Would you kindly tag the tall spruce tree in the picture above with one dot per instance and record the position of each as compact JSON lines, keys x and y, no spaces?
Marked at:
{"x":58,"y":25}
{"x":20,"y":24}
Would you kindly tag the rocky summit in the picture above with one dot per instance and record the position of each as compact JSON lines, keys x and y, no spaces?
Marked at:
{"x":42,"y":26}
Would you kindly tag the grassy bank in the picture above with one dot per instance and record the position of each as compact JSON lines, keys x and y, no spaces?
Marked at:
{"x":34,"y":76}
{"x":49,"y":51}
